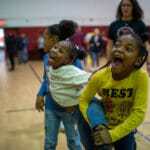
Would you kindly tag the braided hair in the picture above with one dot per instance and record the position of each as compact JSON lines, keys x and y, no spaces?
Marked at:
{"x":74,"y":51}
{"x":142,"y":49}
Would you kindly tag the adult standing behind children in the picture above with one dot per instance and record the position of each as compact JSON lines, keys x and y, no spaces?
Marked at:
{"x":11,"y":49}
{"x":128,"y":18}
{"x":96,"y":44}
{"x":52,"y":35}
{"x":19,"y":47}
{"x":40,"y":45}
{"x":78,"y":39}
{"x":25,"y":47}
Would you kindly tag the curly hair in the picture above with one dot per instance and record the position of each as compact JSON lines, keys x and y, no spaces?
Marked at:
{"x":137,"y":12}
{"x":63,"y":30}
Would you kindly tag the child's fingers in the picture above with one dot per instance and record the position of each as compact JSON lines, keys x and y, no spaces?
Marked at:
{"x":42,"y":108}
{"x":38,"y":106}
{"x":102,"y":137}
{"x":106,"y":136}
{"x":98,"y":139}
{"x":39,"y":103}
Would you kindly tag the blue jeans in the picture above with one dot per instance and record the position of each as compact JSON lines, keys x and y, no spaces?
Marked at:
{"x":20,"y":56}
{"x":52,"y":123}
{"x":95,"y":113}
{"x":95,"y":58}
{"x":25,"y":57}
{"x":96,"y":116}
{"x":85,"y":131}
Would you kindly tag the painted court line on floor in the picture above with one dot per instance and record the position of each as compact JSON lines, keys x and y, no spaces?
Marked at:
{"x":35,"y":73}
{"x":145,"y":137}
{"x":19,"y":110}
{"x":146,"y":123}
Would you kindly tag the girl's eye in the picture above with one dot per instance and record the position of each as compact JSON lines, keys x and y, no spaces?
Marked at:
{"x":126,"y":5}
{"x":60,"y":50}
{"x":128,"y":49}
{"x":54,"y":48}
{"x":116,"y":45}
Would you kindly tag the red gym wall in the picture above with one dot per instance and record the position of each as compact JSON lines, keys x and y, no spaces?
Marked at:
{"x":32,"y":34}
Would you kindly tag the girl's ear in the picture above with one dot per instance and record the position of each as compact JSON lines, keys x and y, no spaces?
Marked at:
{"x":54,"y":39}
{"x":138,"y":61}
{"x":69,"y":62}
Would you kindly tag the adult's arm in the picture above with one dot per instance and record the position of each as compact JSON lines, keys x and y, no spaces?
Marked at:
{"x":147,"y":45}
{"x":109,"y":47}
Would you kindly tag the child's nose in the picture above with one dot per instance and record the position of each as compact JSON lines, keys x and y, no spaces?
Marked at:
{"x":119,"y":49}
{"x":54,"y":50}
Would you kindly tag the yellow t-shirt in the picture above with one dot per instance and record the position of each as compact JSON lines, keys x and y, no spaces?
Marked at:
{"x":124,"y":101}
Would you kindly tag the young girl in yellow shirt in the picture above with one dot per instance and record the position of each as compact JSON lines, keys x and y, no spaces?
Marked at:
{"x":123,"y":87}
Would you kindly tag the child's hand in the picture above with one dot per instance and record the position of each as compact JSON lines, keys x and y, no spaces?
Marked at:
{"x":39,"y":105}
{"x":102,"y":136}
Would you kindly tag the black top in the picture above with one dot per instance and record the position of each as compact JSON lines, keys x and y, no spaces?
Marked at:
{"x":10,"y":43}
{"x":119,"y":26}
{"x":96,"y":45}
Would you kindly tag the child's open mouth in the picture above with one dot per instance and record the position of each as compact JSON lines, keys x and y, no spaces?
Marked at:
{"x":118,"y":61}
{"x":51,"y":58}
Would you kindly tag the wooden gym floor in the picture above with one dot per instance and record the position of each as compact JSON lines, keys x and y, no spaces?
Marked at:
{"x":21,"y":126}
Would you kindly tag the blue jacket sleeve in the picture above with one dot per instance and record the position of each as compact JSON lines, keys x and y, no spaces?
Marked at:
{"x":43,"y":88}
{"x":78,"y":64}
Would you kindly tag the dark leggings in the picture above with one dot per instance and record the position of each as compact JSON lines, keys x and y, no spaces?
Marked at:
{"x":11,"y":57}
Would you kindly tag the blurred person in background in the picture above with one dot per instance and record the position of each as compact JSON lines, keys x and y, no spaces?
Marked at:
{"x":105,"y":40}
{"x":10,"y":43}
{"x":78,"y":39}
{"x":40,"y":45}
{"x":25,"y":47}
{"x":19,"y":47}
{"x":96,"y":44}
